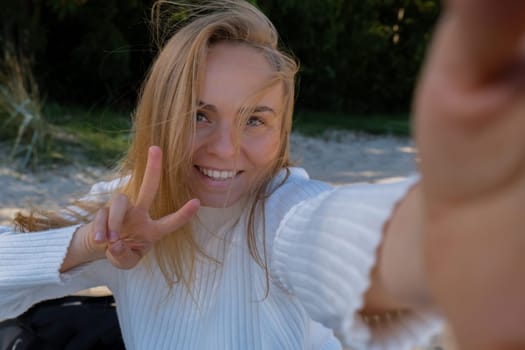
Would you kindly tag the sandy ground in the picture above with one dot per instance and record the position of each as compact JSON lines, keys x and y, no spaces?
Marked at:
{"x":337,"y":157}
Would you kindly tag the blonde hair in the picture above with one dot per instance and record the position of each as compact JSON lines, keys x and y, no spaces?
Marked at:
{"x":165,"y":117}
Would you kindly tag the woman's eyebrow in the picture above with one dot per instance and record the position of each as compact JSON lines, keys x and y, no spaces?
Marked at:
{"x":260,"y":109}
{"x":207,"y":106}
{"x":257,"y":109}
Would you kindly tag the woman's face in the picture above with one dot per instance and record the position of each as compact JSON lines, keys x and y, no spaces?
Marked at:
{"x":223,"y":173}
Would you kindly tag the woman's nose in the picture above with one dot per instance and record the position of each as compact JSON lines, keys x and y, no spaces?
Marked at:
{"x":222,"y":142}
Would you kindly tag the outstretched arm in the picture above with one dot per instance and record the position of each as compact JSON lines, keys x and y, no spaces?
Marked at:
{"x":455,"y":240}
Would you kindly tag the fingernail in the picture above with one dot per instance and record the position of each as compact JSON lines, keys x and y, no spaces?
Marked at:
{"x":99,"y":236}
{"x":113,"y":236}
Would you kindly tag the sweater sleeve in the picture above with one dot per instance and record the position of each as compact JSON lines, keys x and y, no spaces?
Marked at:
{"x":30,"y":264}
{"x":29,"y":269}
{"x":323,"y":253}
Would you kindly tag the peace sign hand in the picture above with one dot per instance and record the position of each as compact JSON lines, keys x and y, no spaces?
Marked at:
{"x":128,"y":229}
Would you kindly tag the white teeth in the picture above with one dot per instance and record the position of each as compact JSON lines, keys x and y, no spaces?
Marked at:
{"x":218,"y":175}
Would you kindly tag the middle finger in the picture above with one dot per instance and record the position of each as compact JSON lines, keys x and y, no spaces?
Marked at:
{"x":117,"y":211}
{"x":150,"y":182}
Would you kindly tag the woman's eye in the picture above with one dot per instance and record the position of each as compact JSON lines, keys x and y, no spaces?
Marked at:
{"x":254,"y":121}
{"x":201,"y":117}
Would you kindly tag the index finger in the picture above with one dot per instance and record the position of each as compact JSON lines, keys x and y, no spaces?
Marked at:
{"x":151,"y":179}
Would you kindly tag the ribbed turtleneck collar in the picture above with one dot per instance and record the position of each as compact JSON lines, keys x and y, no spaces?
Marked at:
{"x":214,"y":218}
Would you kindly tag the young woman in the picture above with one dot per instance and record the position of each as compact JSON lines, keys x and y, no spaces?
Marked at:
{"x":187,"y":240}
{"x":210,"y":239}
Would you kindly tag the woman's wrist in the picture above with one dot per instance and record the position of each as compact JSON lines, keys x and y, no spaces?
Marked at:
{"x":83,"y":248}
{"x":402,"y":275}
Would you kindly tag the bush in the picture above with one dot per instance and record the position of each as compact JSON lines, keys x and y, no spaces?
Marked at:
{"x":356,"y":56}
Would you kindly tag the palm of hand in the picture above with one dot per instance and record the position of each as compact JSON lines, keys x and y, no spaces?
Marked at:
{"x":470,"y":132}
{"x":138,"y":234}
{"x":133,"y":230}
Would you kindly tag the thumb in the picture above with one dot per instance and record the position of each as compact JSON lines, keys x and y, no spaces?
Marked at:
{"x":122,"y":256}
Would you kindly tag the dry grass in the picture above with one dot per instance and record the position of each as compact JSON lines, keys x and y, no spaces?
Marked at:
{"x":20,"y":108}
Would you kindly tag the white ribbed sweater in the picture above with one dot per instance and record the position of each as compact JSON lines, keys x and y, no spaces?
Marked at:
{"x":320,"y":261}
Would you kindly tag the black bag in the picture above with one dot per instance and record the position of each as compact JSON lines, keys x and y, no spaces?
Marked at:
{"x":69,"y":323}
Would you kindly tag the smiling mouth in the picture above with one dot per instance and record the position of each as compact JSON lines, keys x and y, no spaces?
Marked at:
{"x":217,"y":175}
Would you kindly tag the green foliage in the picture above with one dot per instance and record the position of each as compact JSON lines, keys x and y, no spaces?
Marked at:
{"x":101,"y":135}
{"x":98,"y":50}
{"x":317,"y":123}
{"x":84,"y":51}
{"x":356,"y":56}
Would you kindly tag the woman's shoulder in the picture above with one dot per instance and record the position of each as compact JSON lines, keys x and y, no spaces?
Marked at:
{"x":101,"y":191}
{"x":108,"y":186}
{"x":290,"y":187}
{"x":294,"y":180}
